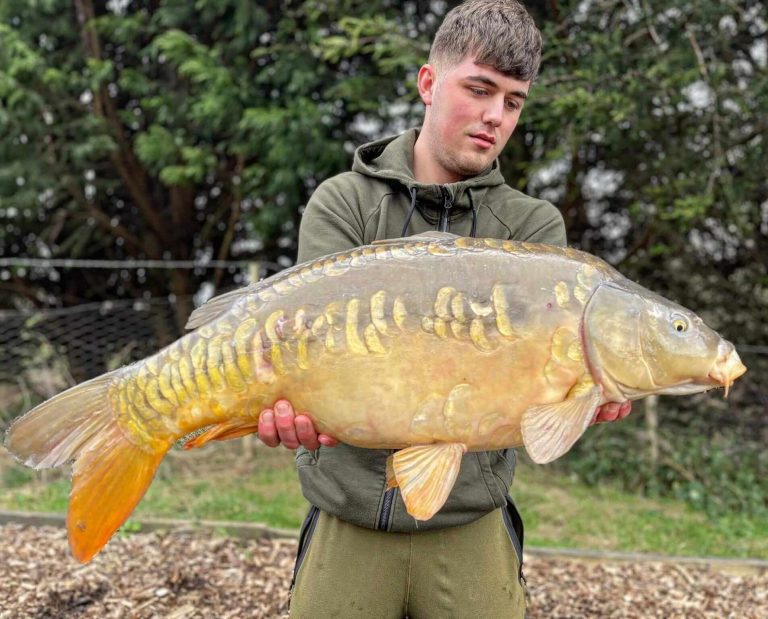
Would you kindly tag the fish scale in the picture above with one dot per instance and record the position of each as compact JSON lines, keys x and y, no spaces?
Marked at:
{"x":431,"y":346}
{"x":339,"y":327}
{"x":229,"y":364}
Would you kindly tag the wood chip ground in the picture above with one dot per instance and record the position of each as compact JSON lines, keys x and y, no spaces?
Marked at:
{"x":197,"y":575}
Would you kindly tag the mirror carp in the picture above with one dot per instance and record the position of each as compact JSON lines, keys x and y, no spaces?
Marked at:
{"x":433,"y":346}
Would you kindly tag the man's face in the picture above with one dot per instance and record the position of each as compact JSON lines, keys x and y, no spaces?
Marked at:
{"x":472,"y":110}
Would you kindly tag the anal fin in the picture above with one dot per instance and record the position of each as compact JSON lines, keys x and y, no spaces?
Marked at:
{"x":550,"y":430}
{"x":425,"y":475}
{"x":234,"y":428}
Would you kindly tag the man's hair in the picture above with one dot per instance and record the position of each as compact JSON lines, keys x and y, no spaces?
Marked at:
{"x":499,"y":33}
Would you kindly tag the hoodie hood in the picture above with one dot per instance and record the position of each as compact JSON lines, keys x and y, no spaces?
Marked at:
{"x":391,"y":159}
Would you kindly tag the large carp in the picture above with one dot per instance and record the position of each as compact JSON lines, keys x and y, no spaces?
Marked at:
{"x":433,"y":346}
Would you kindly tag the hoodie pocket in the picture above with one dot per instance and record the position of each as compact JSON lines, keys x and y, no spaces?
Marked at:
{"x":304,"y":457}
{"x":305,"y":537}
{"x":514,"y":525}
{"x":495,"y":476}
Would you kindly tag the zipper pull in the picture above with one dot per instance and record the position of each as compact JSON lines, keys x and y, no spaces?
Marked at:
{"x":447,"y":206}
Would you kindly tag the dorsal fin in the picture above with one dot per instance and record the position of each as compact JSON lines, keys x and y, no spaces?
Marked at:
{"x":217,"y":306}
{"x":431,"y":235}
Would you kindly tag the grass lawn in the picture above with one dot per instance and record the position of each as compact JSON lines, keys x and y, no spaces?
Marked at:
{"x":561,"y":512}
{"x":218,"y":483}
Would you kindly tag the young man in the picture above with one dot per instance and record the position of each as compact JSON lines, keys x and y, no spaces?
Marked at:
{"x":361,"y":554}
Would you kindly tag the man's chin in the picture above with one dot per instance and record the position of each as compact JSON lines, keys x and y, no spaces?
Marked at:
{"x":464,"y":163}
{"x":473,"y":166}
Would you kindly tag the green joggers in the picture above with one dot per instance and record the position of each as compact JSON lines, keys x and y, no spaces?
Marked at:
{"x":468,"y":571}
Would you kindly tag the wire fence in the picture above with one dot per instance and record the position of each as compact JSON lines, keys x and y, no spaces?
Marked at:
{"x":44,"y":351}
{"x":81,"y":342}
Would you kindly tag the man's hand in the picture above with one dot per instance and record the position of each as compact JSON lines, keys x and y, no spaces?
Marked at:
{"x":281,"y":425}
{"x":612,"y":411}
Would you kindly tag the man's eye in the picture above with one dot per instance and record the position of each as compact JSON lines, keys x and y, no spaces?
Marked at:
{"x":512,"y":105}
{"x":478,"y":91}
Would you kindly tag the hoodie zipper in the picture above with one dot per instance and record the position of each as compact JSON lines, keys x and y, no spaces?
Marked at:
{"x":386,"y":509}
{"x":444,"y":224}
{"x":386,"y":505}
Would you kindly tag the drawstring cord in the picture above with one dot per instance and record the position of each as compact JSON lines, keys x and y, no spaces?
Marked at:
{"x":473,"y":233}
{"x":410,"y":213}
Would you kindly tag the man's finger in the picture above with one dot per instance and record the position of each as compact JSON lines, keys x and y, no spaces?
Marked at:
{"x":267,"y":430}
{"x":608,"y":412}
{"x":625,"y":409}
{"x":327,"y":441}
{"x":286,"y":428}
{"x":306,"y":433}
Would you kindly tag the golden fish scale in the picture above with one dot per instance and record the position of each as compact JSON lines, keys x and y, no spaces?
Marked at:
{"x":412,"y":356}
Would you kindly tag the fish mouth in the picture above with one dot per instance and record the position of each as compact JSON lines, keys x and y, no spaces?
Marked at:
{"x":727,"y":368}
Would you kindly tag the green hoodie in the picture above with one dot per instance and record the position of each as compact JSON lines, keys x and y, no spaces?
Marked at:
{"x":373,"y":202}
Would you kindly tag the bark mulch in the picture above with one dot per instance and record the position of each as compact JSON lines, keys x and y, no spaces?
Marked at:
{"x":196,"y":575}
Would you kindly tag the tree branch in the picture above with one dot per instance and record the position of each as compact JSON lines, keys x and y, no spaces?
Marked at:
{"x":20,"y":287}
{"x":129,"y":167}
{"x":716,"y":130}
{"x":234,"y":215}
{"x":102,"y":218}
{"x":643,"y":241}
{"x":181,"y":205}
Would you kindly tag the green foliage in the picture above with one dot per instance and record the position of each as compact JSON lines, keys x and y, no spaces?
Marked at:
{"x":16,"y":477}
{"x":376,"y":38}
{"x":563,"y":512}
{"x":131,"y":526}
{"x":665,"y":96}
{"x":156,"y":148}
{"x":719,"y":472}
{"x":179,"y":129}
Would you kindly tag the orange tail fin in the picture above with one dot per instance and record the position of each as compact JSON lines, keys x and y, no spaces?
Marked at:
{"x":110,"y":473}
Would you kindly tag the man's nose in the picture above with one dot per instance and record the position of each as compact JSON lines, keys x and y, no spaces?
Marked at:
{"x":494,"y":112}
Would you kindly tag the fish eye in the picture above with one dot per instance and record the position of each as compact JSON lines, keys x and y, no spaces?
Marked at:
{"x":680,"y":325}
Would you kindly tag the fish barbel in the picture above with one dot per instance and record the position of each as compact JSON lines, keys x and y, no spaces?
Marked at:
{"x":433,"y":346}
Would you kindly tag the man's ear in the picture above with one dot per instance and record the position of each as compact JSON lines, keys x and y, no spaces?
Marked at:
{"x":426,"y":81}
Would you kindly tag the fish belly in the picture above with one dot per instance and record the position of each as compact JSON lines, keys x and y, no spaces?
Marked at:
{"x":426,"y":390}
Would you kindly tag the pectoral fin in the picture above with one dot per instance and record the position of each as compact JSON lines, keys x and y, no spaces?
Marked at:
{"x":225,"y":431}
{"x":550,"y":430}
{"x":425,"y":475}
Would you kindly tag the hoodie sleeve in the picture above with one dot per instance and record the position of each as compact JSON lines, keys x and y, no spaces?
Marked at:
{"x":551,"y":228}
{"x":544,"y":224}
{"x":330,"y":222}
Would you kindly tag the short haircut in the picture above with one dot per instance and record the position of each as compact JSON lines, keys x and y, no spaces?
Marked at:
{"x":499,"y":33}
